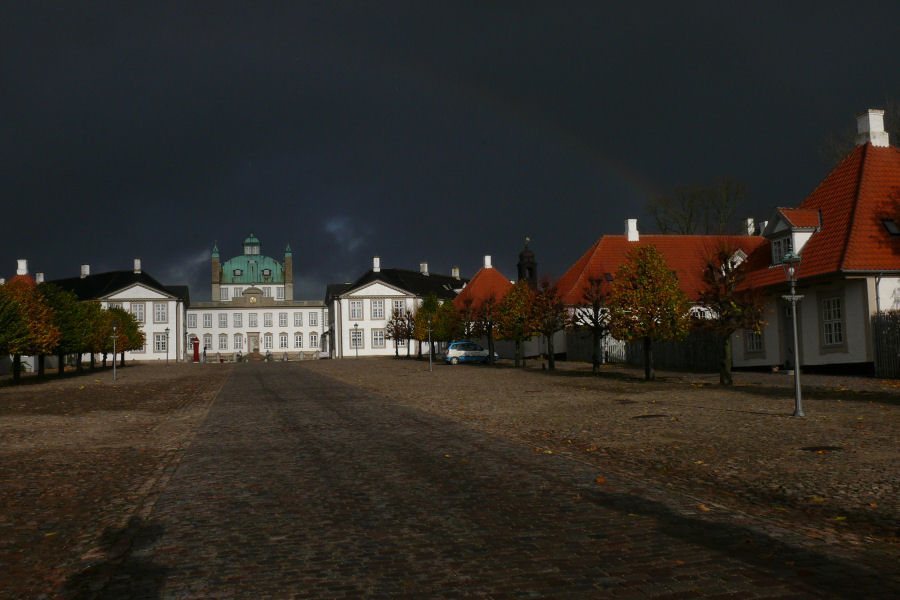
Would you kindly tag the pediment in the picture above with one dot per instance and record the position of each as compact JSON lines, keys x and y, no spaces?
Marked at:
{"x":137,"y":291}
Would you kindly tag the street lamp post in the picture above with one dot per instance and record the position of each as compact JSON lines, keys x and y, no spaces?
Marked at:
{"x":791,"y":264}
{"x":115,"y":325}
{"x":356,"y":338}
{"x":167,"y":346}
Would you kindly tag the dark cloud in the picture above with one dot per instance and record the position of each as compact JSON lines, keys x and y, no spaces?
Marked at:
{"x":411,"y":130}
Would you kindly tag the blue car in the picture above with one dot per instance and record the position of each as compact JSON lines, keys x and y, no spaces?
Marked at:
{"x":458,"y":352}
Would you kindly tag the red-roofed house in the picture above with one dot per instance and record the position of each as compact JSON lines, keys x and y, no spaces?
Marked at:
{"x":487,"y":283}
{"x":846,"y":233}
{"x":687,"y":255}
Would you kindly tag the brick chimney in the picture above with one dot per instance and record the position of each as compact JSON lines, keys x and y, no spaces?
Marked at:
{"x":870,"y":128}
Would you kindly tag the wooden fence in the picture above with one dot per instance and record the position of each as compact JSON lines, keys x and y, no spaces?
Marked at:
{"x":886,"y":339}
{"x":700,"y":351}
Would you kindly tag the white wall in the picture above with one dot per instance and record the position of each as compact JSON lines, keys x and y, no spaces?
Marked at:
{"x":138,"y":294}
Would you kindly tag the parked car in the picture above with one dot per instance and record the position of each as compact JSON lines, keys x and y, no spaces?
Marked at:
{"x":458,"y":352}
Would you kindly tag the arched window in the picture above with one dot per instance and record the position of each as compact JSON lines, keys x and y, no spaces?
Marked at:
{"x":223,"y":341}
{"x":207,"y":341}
{"x":298,"y":340}
{"x":282,"y":340}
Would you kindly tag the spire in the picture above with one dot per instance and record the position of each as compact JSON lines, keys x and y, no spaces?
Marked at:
{"x":288,"y":251}
{"x":215,"y":250}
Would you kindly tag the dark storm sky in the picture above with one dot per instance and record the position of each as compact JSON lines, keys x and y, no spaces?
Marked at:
{"x":417,"y":131}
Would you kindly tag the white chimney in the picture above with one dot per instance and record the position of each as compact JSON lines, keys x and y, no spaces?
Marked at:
{"x":376,"y":264}
{"x":85,"y":271}
{"x":750,"y":226}
{"x":2,"y":280}
{"x":22,"y":266}
{"x":39,"y":278}
{"x":870,"y":128}
{"x":137,"y":265}
{"x":454,"y":272}
{"x":423,"y":268}
{"x":487,"y":261}
{"x":631,"y":230}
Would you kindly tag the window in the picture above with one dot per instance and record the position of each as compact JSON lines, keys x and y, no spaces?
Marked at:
{"x":160,"y":312}
{"x":753,"y":341}
{"x":252,"y":321}
{"x":267,"y":292}
{"x":115,"y":305}
{"x":313,"y":319}
{"x":238,"y":341}
{"x":832,"y":322}
{"x":377,"y":309}
{"x":282,"y":319}
{"x":267,"y":319}
{"x":356,"y":312}
{"x":780,"y":247}
{"x":267,"y":272}
{"x":401,"y":343}
{"x":137,"y":309}
{"x":237,"y":292}
{"x":282,"y":340}
{"x":223,"y":320}
{"x":314,"y":340}
{"x":192,"y":321}
{"x":298,"y":319}
{"x":159,"y":342}
{"x":279,"y":293}
{"x":298,"y":340}
{"x":207,"y":341}
{"x":356,"y":338}
{"x":223,"y":341}
{"x":223,"y":293}
{"x":207,"y":320}
{"x":378,"y":338}
{"x":238,"y":272}
{"x":238,"y":320}
{"x":399,"y":306}
{"x":267,"y":341}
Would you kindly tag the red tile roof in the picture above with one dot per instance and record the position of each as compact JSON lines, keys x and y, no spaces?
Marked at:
{"x":799,"y":217}
{"x":487,"y":282}
{"x":853,"y":199}
{"x":686,"y":255}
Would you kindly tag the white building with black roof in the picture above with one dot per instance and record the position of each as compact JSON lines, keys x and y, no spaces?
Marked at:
{"x":159,"y":309}
{"x":359,"y":311}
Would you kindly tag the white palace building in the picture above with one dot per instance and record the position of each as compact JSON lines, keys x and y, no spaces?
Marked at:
{"x":253,"y":311}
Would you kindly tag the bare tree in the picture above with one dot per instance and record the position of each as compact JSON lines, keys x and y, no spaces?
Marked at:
{"x":591,"y":315}
{"x":698,"y":209}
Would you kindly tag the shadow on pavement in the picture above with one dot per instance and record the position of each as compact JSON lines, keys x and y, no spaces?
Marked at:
{"x":120,"y":574}
{"x":776,"y":560}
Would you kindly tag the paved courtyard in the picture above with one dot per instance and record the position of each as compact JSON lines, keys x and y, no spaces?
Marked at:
{"x":314,"y":481}
{"x":299,"y":486}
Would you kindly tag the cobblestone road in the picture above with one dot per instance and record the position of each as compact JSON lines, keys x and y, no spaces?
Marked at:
{"x":301,"y":487}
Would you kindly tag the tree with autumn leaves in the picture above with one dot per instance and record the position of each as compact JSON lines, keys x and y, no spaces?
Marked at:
{"x":517,"y":319}
{"x":552,"y":316}
{"x":591,"y":315}
{"x":26,"y":322}
{"x":730,"y":305}
{"x":646,"y":304}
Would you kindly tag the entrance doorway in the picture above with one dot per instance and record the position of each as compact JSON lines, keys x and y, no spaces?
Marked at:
{"x":252,"y":342}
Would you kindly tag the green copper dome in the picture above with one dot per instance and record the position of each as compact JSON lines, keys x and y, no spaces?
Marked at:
{"x":252,"y":267}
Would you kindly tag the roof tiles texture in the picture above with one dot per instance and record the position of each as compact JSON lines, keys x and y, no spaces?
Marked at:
{"x":687,"y":255}
{"x":485,"y":283}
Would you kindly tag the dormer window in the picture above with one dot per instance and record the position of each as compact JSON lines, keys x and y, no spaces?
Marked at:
{"x":238,"y":272}
{"x":891,"y":226}
{"x":780,"y":247}
{"x":267,"y":272}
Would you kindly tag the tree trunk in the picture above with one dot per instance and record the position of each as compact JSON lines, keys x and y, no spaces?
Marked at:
{"x":61,"y":366}
{"x":78,"y":366}
{"x":40,"y":366}
{"x":419,"y":350}
{"x":595,"y":352}
{"x":408,"y":346}
{"x":725,"y":377}
{"x":104,"y":360}
{"x":122,"y":360}
{"x":17,"y":368}
{"x":93,"y":361}
{"x":551,"y":360}
{"x":518,"y":353}
{"x":649,"y":373}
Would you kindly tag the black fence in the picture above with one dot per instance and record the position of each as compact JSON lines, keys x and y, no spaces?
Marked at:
{"x":699,"y":351}
{"x":886,"y":339}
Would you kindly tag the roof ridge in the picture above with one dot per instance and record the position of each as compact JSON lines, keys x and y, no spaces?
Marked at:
{"x":859,"y":182}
